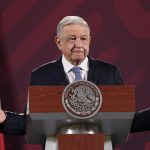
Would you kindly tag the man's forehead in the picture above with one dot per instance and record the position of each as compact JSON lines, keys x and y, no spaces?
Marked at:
{"x":75,"y":27}
{"x":75,"y":30}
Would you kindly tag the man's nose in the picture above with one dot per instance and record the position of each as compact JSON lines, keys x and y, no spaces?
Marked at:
{"x":78,"y":42}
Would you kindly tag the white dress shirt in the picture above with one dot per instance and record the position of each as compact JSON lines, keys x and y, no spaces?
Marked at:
{"x":68,"y":66}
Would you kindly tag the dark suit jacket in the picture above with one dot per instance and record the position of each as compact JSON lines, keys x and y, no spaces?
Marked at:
{"x":100,"y":73}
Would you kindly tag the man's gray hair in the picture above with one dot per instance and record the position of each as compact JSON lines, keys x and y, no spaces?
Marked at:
{"x":68,"y":20}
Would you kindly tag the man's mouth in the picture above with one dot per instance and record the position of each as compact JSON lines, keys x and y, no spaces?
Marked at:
{"x":78,"y":50}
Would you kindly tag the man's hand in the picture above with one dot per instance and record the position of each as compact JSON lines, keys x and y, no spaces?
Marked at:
{"x":2,"y":116}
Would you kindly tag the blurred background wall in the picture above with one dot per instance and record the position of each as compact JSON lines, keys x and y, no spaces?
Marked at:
{"x":120,"y":32}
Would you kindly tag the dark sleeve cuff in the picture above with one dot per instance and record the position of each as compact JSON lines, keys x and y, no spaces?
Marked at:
{"x":14,"y":124}
{"x":141,"y":121}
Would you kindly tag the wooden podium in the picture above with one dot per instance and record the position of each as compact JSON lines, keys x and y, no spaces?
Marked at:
{"x":46,"y":116}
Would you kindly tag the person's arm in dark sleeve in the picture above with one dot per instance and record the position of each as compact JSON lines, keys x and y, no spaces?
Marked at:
{"x":14,"y":124}
{"x":141,"y":121}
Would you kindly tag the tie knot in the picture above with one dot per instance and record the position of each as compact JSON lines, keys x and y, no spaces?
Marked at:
{"x":76,"y":71}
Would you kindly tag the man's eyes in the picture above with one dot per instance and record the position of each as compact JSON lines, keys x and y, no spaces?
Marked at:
{"x":83,"y":38}
{"x":72,"y":39}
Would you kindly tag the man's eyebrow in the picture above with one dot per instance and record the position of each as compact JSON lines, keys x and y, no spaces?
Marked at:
{"x":84,"y":35}
{"x":72,"y":35}
{"x":77,"y":36}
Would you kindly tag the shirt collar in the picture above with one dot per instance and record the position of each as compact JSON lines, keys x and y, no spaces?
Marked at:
{"x":68,"y":66}
{"x":84,"y":64}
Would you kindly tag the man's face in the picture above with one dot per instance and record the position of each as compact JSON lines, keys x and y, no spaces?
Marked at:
{"x":74,"y":43}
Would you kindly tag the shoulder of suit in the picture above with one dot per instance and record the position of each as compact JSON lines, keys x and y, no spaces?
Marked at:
{"x":102,"y":64}
{"x":50,"y":65}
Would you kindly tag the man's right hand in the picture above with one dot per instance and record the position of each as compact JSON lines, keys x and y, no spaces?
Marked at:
{"x":2,"y":116}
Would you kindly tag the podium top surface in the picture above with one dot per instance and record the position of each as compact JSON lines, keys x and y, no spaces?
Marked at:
{"x":116,"y":98}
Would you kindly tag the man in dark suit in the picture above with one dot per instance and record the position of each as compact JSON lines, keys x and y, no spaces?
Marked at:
{"x":73,"y":40}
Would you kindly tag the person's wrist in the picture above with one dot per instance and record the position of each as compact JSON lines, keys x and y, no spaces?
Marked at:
{"x":5,"y":117}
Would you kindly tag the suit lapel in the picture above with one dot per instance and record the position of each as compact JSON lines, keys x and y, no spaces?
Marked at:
{"x":92,"y":76}
{"x":62,"y":79}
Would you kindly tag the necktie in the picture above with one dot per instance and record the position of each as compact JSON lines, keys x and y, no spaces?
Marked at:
{"x":76,"y":71}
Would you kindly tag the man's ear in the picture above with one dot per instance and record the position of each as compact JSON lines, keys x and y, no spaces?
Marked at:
{"x":58,"y":42}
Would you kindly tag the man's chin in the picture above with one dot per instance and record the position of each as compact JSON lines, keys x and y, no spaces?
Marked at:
{"x":78,"y":60}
